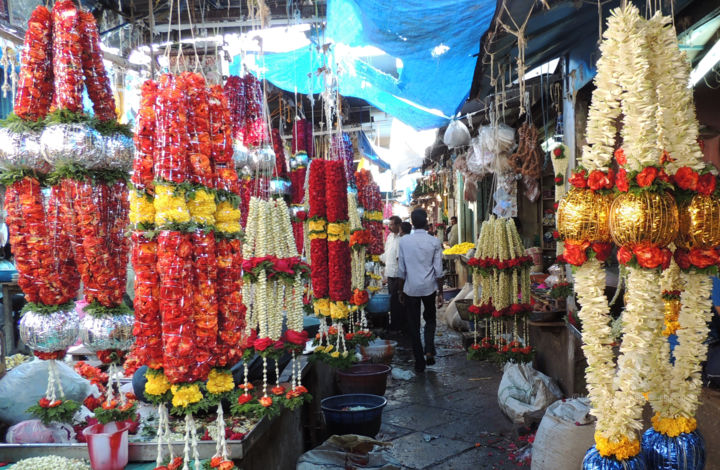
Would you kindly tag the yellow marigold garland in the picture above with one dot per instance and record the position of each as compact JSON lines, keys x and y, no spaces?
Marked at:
{"x":622,"y":450}
{"x":142,"y":210}
{"x":185,"y":395}
{"x":170,"y":205}
{"x":673,"y":427}
{"x":227,"y":218}
{"x":220,"y":381}
{"x":338,"y":232}
{"x":202,"y":207}
{"x":157,"y":384}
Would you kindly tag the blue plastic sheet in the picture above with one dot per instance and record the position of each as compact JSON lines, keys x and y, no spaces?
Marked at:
{"x":420,"y":66}
{"x":369,"y":152}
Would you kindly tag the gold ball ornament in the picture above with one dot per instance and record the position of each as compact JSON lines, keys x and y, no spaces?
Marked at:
{"x":582,"y":215}
{"x":647,"y":217}
{"x":699,"y":223}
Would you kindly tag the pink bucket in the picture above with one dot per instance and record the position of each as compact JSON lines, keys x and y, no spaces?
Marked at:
{"x":108,"y":445}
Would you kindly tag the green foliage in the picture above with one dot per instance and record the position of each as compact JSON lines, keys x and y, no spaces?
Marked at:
{"x":97,"y":310}
{"x":63,"y":413}
{"x":43,"y":309}
{"x":77,"y":172}
{"x":17,"y":124}
{"x":9,"y":177}
{"x":105,"y":416}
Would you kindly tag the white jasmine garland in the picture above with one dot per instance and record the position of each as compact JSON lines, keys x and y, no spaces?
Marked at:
{"x":605,"y":106}
{"x":597,"y":339}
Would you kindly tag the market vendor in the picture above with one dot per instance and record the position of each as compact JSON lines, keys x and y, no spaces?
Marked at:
{"x":453,"y":232}
{"x":390,"y":259}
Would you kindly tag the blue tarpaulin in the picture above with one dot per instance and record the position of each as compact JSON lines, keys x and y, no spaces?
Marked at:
{"x":369,"y":152}
{"x":418,"y":68}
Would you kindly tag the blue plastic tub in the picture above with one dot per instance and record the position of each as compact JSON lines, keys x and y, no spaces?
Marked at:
{"x":379,"y":303}
{"x":341,"y":420}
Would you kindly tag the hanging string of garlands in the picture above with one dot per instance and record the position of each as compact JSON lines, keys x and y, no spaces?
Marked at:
{"x":48,"y":140}
{"x":501,"y":294}
{"x":664,"y":194}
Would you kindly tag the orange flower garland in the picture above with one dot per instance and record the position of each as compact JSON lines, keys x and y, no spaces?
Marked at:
{"x":35,"y":85}
{"x":96,"y":79}
{"x":67,"y":57}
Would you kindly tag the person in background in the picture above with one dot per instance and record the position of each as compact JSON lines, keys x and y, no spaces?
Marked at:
{"x":421,"y":273}
{"x":430,"y":229}
{"x":405,"y":229}
{"x":453,"y":232}
{"x":389,"y":258}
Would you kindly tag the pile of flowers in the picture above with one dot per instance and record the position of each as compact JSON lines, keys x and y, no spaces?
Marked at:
{"x":459,"y":249}
{"x":501,"y":292}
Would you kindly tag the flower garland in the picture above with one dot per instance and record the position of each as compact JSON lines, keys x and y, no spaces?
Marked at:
{"x":96,"y":78}
{"x":501,"y":288}
{"x":370,"y":200}
{"x":317,"y":234}
{"x":67,"y":57}
{"x":35,"y":84}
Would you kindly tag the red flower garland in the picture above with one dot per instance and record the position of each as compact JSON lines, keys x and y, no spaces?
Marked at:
{"x":319,"y":267}
{"x":96,"y":79}
{"x":280,"y":165}
{"x":46,"y":271}
{"x":175,"y":268}
{"x":235,"y":96}
{"x":220,"y":127}
{"x":255,"y":130}
{"x":199,"y":159}
{"x":316,"y":190}
{"x":148,"y":328}
{"x":231,"y":310}
{"x":646,"y":255}
{"x":171,"y":131}
{"x":299,"y":143}
{"x":297,"y":185}
{"x":336,"y":191}
{"x":142,"y":174}
{"x":67,"y":57}
{"x":205,"y":304}
{"x":35,"y":81}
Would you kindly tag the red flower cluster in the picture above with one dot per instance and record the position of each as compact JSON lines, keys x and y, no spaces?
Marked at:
{"x":231,"y":310}
{"x":302,"y":137}
{"x":280,"y":165}
{"x":274,"y":266}
{"x":35,"y":84}
{"x":489,"y":263}
{"x":254,"y":129}
{"x":176,"y":305}
{"x":101,"y":249}
{"x":57,"y":355}
{"x":41,"y":245}
{"x":226,"y":176}
{"x":96,"y":79}
{"x":576,"y":253}
{"x":297,"y":185}
{"x":596,"y":180}
{"x":488,"y":310}
{"x":647,"y":255}
{"x":205,"y":302}
{"x":360,"y":297}
{"x":696,"y":258}
{"x":295,"y":340}
{"x":170,"y":152}
{"x":688,"y":179}
{"x":200,"y":165}
{"x":235,"y":96}
{"x":318,"y":267}
{"x":67,"y":57}
{"x":336,"y":191}
{"x":142,"y":174}
{"x":620,"y":157}
{"x":147,"y":329}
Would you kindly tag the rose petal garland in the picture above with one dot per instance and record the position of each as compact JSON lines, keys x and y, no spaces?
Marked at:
{"x":317,"y":233}
{"x":67,"y":57}
{"x":142,"y":174}
{"x":200,"y":166}
{"x":338,"y":232}
{"x":148,"y":323}
{"x":170,"y":150}
{"x":35,"y":80}
{"x":96,"y":79}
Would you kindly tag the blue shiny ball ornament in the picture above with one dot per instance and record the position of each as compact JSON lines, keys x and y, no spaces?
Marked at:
{"x":684,"y":452}
{"x":594,"y":461}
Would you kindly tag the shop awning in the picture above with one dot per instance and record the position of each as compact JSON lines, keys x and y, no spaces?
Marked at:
{"x":368,"y":150}
{"x":412,"y":59}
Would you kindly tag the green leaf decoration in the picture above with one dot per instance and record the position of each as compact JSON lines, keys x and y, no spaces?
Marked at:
{"x":43,"y":309}
{"x":17,"y":124}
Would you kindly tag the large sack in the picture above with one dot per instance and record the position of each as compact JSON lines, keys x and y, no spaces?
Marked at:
{"x":349,"y":451}
{"x":24,"y":385}
{"x":564,"y":436}
{"x":524,"y":393}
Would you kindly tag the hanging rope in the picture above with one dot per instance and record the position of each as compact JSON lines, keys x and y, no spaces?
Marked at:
{"x":519,"y":33}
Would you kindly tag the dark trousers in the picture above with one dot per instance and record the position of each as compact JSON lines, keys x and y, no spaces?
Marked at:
{"x":397,"y":310}
{"x":412,"y":308}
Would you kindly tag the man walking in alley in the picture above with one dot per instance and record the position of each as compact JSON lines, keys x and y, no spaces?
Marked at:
{"x":390,"y":258}
{"x":421,"y":275}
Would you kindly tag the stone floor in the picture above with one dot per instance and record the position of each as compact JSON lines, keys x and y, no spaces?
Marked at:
{"x":448,"y":417}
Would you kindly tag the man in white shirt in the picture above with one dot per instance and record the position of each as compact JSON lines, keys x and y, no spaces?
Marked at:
{"x":421,"y":273}
{"x":397,"y":312}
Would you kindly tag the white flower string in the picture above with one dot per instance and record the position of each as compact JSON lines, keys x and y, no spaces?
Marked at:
{"x":221,"y":449}
{"x":186,"y":450}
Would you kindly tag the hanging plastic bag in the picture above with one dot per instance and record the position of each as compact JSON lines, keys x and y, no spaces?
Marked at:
{"x":479,"y":159}
{"x":456,"y":135}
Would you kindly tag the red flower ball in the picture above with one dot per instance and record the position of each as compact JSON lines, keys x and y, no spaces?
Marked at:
{"x":706,"y":184}
{"x":621,"y":181}
{"x":575,"y":252}
{"x":646,"y":177}
{"x":620,"y":157}
{"x":648,"y":255}
{"x":579,"y":180}
{"x":602,"y":250}
{"x":686,"y":178}
{"x":624,"y":255}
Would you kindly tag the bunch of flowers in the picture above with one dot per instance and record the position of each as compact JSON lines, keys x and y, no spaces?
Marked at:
{"x":501,"y":272}
{"x":142,"y":172}
{"x":96,"y":79}
{"x":338,"y":232}
{"x":67,"y":57}
{"x":577,"y":253}
{"x":35,"y":84}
